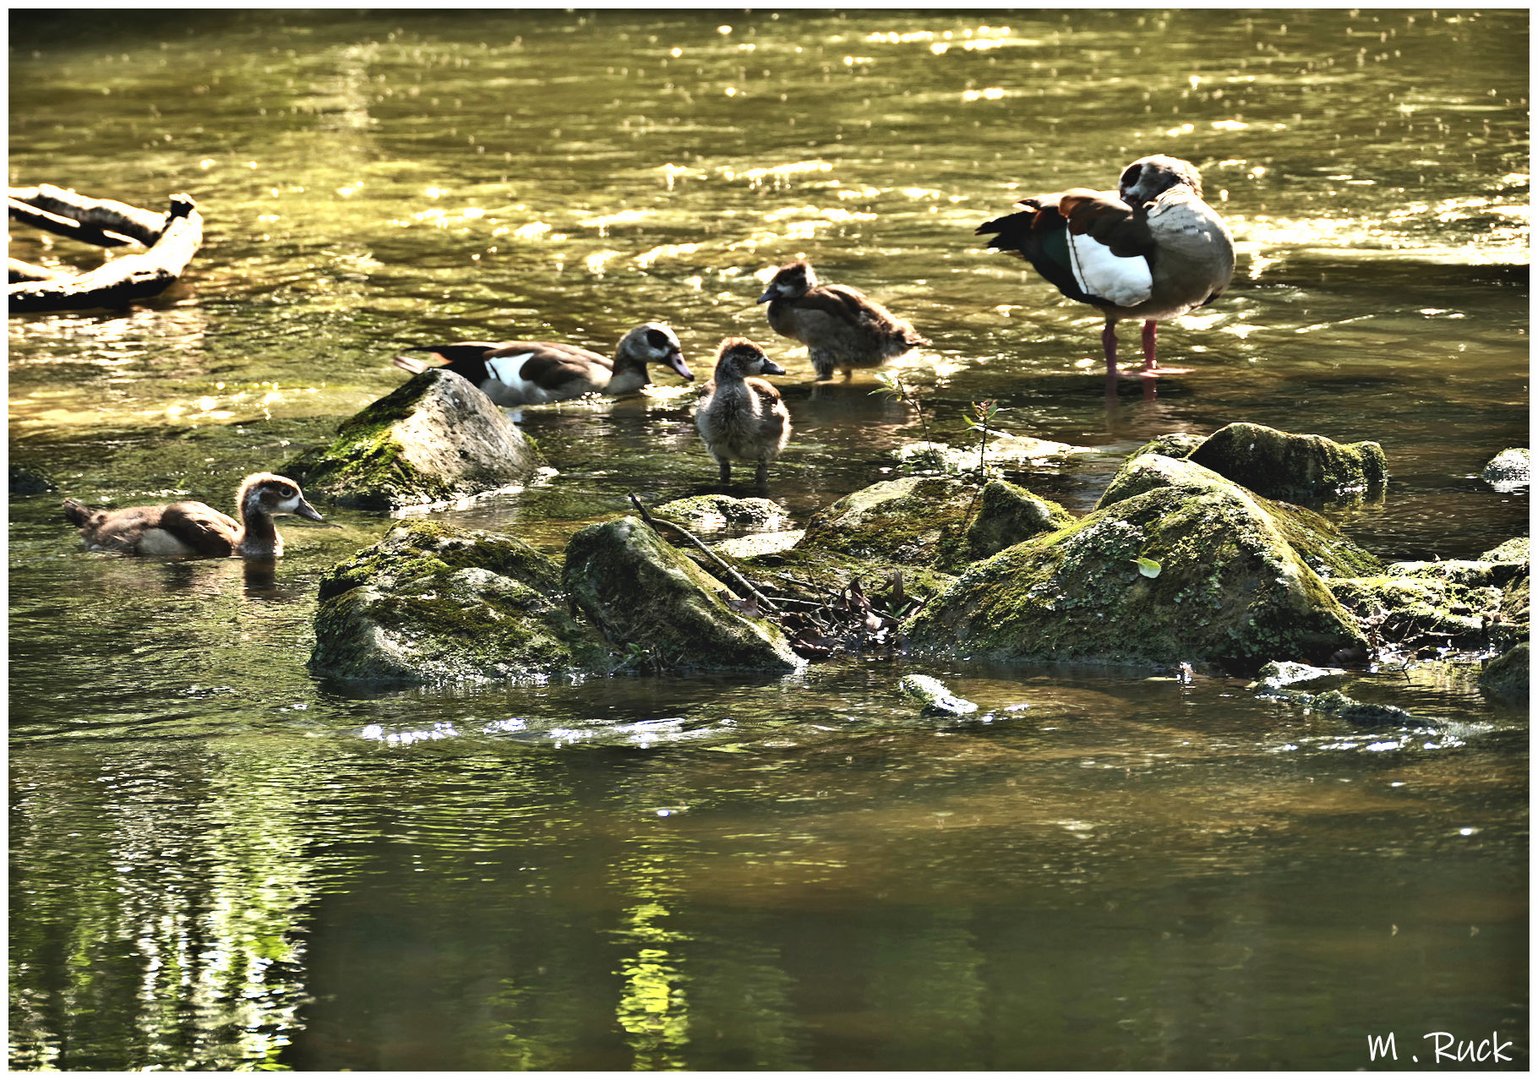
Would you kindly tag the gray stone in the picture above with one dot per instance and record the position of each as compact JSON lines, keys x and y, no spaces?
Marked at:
{"x":1509,"y":470}
{"x":1283,"y":465}
{"x":934,"y":696}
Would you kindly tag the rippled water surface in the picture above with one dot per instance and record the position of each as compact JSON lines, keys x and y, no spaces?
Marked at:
{"x":218,"y":862}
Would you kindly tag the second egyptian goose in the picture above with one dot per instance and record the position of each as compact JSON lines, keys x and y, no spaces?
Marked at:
{"x":194,"y":528}
{"x":740,"y":416}
{"x":841,"y":327}
{"x":1151,"y":250}
{"x":535,"y":372}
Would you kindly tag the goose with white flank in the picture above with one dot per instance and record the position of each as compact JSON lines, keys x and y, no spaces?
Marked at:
{"x":841,"y":327}
{"x":741,"y":417}
{"x":194,"y":528}
{"x":535,"y":372}
{"x":1151,"y":250}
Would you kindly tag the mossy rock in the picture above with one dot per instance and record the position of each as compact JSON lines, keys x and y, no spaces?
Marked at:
{"x":433,"y":439}
{"x":1460,"y":571}
{"x":1515,"y":612}
{"x":720,"y":513}
{"x":1008,"y":514}
{"x":1328,"y":551}
{"x":667,"y":614}
{"x":1175,"y":444}
{"x":1418,"y":613}
{"x":1505,"y":678}
{"x":1282,"y":465}
{"x":814,"y":575}
{"x":1518,"y":549}
{"x":430,"y":604}
{"x":25,"y":481}
{"x":1229,"y":589}
{"x":1510,"y":469}
{"x":909,"y":521}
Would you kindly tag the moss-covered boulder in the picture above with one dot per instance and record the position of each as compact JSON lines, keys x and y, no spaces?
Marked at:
{"x":1008,"y":514}
{"x":435,"y":438}
{"x":1282,"y":465}
{"x":662,"y":610}
{"x":1175,"y":444}
{"x":1518,"y":550}
{"x":721,"y":513}
{"x":1422,"y":613}
{"x":1228,"y":588}
{"x":1328,"y":551}
{"x":909,"y":521}
{"x":430,"y":603}
{"x":1510,"y":469}
{"x":1505,"y":678}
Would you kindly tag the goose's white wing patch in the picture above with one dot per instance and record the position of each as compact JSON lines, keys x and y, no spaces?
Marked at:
{"x":1125,"y":282}
{"x":508,"y":370}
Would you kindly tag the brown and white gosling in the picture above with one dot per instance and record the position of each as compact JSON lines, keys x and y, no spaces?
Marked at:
{"x":534,"y":372}
{"x":841,"y":327}
{"x":741,"y":417}
{"x":194,"y":528}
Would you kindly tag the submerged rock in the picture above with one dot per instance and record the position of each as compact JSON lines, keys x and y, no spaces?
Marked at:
{"x":1226,"y":586}
{"x":25,"y":481}
{"x":1328,"y":551}
{"x":718,"y":513}
{"x":1505,"y":678}
{"x":1004,"y":451}
{"x":1008,"y":514}
{"x":934,"y":696}
{"x":1280,"y":673}
{"x":1282,"y":465}
{"x":1510,"y":469}
{"x":430,"y":603}
{"x":434,"y":438}
{"x":1367,"y":714}
{"x":648,"y":598}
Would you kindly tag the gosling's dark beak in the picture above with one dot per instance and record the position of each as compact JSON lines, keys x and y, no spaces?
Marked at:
{"x":305,"y":510}
{"x":771,"y":368}
{"x":676,"y":362}
{"x":769,"y":294}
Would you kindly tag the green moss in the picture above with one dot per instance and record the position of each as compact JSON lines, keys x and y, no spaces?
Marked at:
{"x":1419,"y":612}
{"x":1176,"y":444}
{"x":1008,"y":514}
{"x":813,"y":575}
{"x":1282,"y":465}
{"x":1230,"y":590}
{"x":647,"y":597}
{"x":1516,"y":550}
{"x":910,"y":521}
{"x":1506,"y":677}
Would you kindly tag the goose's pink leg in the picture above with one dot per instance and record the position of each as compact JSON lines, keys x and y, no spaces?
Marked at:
{"x":1150,"y":331}
{"x":1108,"y":343}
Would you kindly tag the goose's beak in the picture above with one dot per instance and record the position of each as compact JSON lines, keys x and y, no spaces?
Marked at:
{"x":305,"y":510}
{"x":771,"y":368}
{"x":769,"y":294}
{"x":676,"y":362}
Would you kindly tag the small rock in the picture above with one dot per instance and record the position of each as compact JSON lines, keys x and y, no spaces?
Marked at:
{"x":433,"y":439}
{"x":1003,"y":450}
{"x":934,"y":696}
{"x":1509,"y":470}
{"x":1335,"y":703}
{"x":1280,"y":673}
{"x":25,"y":481}
{"x":717,"y":513}
{"x":1516,"y":550}
{"x":1283,"y":465}
{"x":1505,"y":678}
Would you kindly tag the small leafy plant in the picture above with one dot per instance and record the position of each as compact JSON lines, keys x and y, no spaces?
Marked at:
{"x":892,"y":385}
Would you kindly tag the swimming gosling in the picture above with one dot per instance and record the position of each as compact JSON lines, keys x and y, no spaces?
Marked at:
{"x":194,"y":528}
{"x":741,"y":417}
{"x":534,"y":372}
{"x":841,"y":327}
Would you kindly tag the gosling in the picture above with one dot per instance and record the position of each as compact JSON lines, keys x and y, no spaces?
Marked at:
{"x":840,"y":326}
{"x":197,"y":529}
{"x":741,"y":417}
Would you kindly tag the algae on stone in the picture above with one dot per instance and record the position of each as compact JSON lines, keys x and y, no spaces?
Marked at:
{"x":718,"y":513}
{"x":1328,"y":551}
{"x":934,"y":697}
{"x":431,"y":603}
{"x":1283,"y":465}
{"x":912,"y":521}
{"x":1008,"y":514}
{"x":1416,"y":613}
{"x":1506,"y":677}
{"x":1518,"y":550}
{"x":1175,"y":444}
{"x":1230,"y":590}
{"x":432,"y":439}
{"x":650,"y":599}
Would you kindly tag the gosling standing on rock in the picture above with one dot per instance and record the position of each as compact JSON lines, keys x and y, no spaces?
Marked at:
{"x":194,"y":528}
{"x":841,"y":327}
{"x":742,"y":417}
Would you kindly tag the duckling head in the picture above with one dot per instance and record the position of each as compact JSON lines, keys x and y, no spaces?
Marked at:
{"x":740,"y":358}
{"x":1149,"y":177}
{"x":790,"y":281}
{"x":271,"y":494}
{"x":655,"y":343}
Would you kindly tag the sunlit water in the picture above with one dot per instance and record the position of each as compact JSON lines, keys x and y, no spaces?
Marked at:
{"x":218,"y":862}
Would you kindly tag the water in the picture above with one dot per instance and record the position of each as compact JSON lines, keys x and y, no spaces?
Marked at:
{"x":220,"y":862}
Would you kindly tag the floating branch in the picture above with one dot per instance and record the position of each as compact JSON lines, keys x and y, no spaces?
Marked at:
{"x":171,"y":240}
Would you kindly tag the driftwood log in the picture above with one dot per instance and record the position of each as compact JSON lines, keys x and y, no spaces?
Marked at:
{"x":170,"y":240}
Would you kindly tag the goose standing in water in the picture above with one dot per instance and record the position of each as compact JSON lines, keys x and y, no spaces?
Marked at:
{"x":1150,"y":250}
{"x":742,"y":417}
{"x":841,"y":327}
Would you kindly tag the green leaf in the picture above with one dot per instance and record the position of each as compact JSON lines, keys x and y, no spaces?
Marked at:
{"x":1148,"y":567}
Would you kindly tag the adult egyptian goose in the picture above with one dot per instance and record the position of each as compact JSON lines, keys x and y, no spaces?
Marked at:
{"x":741,"y":417}
{"x":841,"y":327}
{"x":194,"y":528}
{"x":1150,"y":250}
{"x":534,"y":372}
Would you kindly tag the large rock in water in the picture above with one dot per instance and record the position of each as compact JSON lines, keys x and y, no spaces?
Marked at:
{"x":1281,"y":465}
{"x":671,"y":616}
{"x":1229,"y":588}
{"x":430,"y":603}
{"x":433,"y":439}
